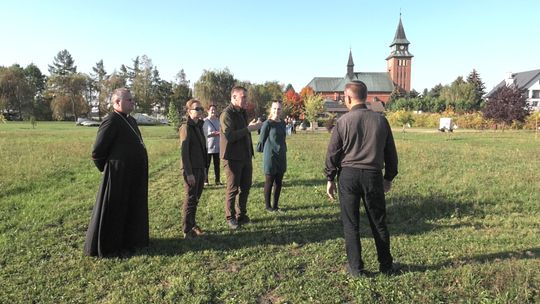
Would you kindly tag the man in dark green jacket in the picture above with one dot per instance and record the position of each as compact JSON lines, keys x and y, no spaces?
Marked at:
{"x":236,"y":150}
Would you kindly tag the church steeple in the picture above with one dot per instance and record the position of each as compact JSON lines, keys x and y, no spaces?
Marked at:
{"x":400,"y":37}
{"x":350,"y":66}
{"x":399,"y":61}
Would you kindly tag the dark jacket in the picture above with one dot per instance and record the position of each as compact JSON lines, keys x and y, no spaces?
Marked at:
{"x":118,"y":139}
{"x":362,"y":139}
{"x":272,"y":144}
{"x":235,"y":139}
{"x":193,"y":146}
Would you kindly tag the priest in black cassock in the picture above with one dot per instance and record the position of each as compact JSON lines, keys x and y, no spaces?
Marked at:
{"x":119,"y":222}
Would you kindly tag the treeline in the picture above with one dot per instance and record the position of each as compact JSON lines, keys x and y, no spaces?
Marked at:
{"x":464,"y":98}
{"x":66,"y":94}
{"x":461,"y":95}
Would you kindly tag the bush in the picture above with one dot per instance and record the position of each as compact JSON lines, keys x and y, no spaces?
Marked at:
{"x":531,"y":121}
{"x":330,"y":122}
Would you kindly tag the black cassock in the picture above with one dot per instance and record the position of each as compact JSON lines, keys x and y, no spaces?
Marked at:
{"x":120,"y":216}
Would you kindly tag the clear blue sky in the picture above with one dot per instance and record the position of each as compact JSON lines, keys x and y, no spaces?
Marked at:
{"x":288,"y":41}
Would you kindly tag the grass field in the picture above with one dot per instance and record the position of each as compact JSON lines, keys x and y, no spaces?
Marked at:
{"x":464,"y":217}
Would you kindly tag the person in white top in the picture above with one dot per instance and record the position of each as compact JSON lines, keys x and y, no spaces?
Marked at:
{"x":211,"y":129}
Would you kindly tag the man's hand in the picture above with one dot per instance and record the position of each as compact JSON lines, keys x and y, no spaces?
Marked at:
{"x":190,"y":180}
{"x":331,"y":189}
{"x":387,"y":185}
{"x":254,"y":125}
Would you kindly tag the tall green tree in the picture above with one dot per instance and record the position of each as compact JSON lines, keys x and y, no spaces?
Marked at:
{"x":142,"y":84}
{"x":100,"y":78}
{"x":63,"y":64}
{"x":506,"y":105}
{"x":66,"y":88}
{"x":37,"y":81}
{"x":214,"y":87}
{"x":479,"y":88}
{"x":435,"y":92}
{"x":181,"y":92}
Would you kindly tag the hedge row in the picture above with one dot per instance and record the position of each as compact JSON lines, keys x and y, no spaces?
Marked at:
{"x":464,"y":121}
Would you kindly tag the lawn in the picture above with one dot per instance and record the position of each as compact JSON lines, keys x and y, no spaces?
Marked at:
{"x":464,"y":218}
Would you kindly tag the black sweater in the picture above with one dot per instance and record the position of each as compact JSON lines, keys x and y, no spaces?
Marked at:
{"x":362,"y":139}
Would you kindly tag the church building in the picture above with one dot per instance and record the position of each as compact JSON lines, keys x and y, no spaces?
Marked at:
{"x":380,"y":84}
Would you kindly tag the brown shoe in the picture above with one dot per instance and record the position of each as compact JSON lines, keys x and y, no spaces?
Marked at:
{"x":197,"y":230}
{"x":190,"y":234}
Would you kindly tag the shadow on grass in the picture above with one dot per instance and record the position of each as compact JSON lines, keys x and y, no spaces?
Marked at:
{"x":416,"y":215}
{"x":305,"y":223}
{"x":294,"y":183}
{"x":284,"y":230}
{"x":530,"y":253}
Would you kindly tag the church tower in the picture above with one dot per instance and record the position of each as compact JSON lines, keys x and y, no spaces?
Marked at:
{"x":399,"y":60}
{"x":350,"y":66}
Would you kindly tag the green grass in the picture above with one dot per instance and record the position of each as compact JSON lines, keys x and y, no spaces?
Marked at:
{"x":464,"y":217}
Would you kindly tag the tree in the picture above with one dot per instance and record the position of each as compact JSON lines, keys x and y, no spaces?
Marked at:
{"x":15,"y":91}
{"x":214,"y":87}
{"x":506,"y":105}
{"x":306,"y":91}
{"x":37,"y":81}
{"x":413,"y":94}
{"x":289,"y":87}
{"x":66,"y":88}
{"x":143,"y":78}
{"x":261,"y":95}
{"x":63,"y":64}
{"x":174,"y":116}
{"x":67,"y":95}
{"x":181,"y":92}
{"x":100,"y":77}
{"x":435,"y":92}
{"x":293,"y":99}
{"x":404,"y":118}
{"x":479,"y":88}
{"x":396,"y":94}
{"x":313,"y":107}
{"x":459,"y":95}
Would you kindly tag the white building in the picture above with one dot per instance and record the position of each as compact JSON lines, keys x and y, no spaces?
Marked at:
{"x":529,"y":80}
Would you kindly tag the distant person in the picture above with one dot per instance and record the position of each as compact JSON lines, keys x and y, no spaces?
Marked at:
{"x":193,"y":166}
{"x":272,"y":143}
{"x":236,"y":150}
{"x":211,"y":130}
{"x":119,"y":222}
{"x":360,"y":146}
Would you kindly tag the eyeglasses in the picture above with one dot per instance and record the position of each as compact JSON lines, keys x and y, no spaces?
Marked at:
{"x":198,"y":109}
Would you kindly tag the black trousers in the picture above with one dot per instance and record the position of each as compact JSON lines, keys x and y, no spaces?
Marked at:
{"x":213,"y":157}
{"x":239,"y":177}
{"x":276,"y":182}
{"x":191,"y":200}
{"x":366,"y":185}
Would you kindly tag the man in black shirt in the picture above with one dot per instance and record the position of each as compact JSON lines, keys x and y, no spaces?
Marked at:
{"x":362,"y":145}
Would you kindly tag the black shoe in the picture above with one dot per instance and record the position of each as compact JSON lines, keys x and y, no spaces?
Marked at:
{"x":244,"y":219}
{"x":218,"y":183}
{"x":359,"y":273}
{"x":393,"y":270}
{"x":278,"y":210}
{"x":269,"y":209}
{"x":233,"y":224}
